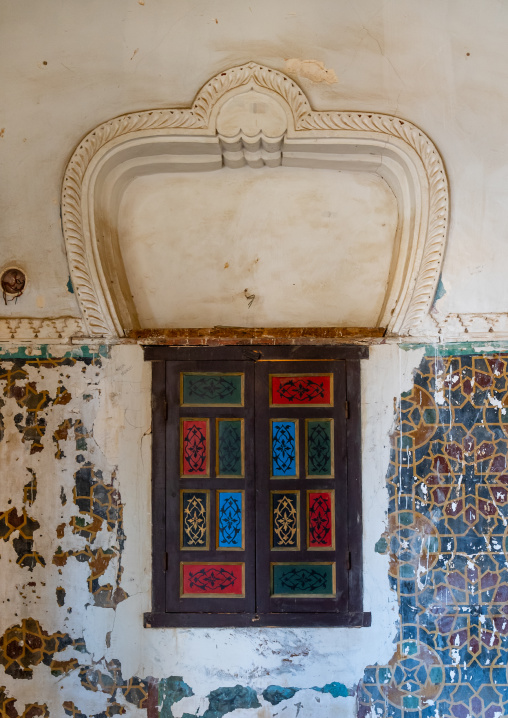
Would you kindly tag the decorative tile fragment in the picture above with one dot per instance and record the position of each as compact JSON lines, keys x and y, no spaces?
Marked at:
{"x":446,"y":538}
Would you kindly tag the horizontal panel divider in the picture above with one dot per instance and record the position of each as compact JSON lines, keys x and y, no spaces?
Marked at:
{"x":357,"y":619}
{"x":257,"y":352}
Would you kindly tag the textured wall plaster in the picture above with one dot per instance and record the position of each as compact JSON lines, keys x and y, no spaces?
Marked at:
{"x":76,"y":620}
{"x":212,"y":222}
{"x":71,"y":636}
{"x":441,"y":65}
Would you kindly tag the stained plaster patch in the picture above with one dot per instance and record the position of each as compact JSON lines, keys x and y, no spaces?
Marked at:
{"x":35,"y":385}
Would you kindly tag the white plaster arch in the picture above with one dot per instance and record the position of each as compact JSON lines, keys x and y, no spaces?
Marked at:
{"x":220,"y":130}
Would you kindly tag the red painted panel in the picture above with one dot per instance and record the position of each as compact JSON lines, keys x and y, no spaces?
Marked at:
{"x":296,"y":390}
{"x":320,"y":509}
{"x":194,"y":447}
{"x":212,"y":579}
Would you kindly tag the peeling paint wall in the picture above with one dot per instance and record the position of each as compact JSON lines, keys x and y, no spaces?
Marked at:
{"x":447,"y":541}
{"x":75,"y":434}
{"x":75,"y":553}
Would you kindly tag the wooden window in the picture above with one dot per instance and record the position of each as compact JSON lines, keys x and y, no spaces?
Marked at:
{"x":256,"y":496}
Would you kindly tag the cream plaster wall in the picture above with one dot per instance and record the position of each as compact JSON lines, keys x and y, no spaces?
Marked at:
{"x":67,"y":66}
{"x":258,"y":247}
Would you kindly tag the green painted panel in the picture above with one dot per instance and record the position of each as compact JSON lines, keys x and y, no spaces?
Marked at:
{"x":319,"y":447}
{"x":212,"y":389}
{"x":230,"y":447}
{"x":303,"y":579}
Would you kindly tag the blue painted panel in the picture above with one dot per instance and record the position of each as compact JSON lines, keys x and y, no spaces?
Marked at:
{"x":230,"y":519}
{"x":284,"y":448}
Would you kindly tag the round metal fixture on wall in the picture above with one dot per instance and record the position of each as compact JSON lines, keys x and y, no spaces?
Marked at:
{"x":13,"y":282}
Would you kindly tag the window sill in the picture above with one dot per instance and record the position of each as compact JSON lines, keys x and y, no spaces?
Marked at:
{"x":356,"y":619}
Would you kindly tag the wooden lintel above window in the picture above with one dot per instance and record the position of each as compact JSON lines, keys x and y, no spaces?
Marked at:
{"x":276,"y":336}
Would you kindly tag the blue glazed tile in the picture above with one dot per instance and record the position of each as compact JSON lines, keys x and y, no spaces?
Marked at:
{"x":457,"y":601}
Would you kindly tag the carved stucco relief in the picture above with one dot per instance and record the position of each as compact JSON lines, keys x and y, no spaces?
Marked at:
{"x":221,"y":129}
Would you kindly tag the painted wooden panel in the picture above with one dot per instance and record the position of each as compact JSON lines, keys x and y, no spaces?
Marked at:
{"x":320,"y":519}
{"x":230,"y":521}
{"x":319,"y":461}
{"x":194,"y":447}
{"x":284,"y":520}
{"x":297,"y":390}
{"x":212,"y":579}
{"x":303,"y":579}
{"x":230,"y":448}
{"x":211,"y":389}
{"x":284,"y":447}
{"x":194,"y":520}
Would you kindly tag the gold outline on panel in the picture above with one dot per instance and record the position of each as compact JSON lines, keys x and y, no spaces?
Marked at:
{"x":332,"y":508}
{"x":285,"y":548}
{"x":304,"y":595}
{"x":301,"y":374}
{"x":206,"y":547}
{"x":229,"y":548}
{"x":206,"y":475}
{"x":297,"y":451}
{"x":212,"y":595}
{"x":331,"y":475}
{"x":229,"y":476}
{"x":214,"y":373}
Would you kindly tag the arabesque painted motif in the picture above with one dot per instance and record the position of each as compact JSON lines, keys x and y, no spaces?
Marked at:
{"x":447,"y":539}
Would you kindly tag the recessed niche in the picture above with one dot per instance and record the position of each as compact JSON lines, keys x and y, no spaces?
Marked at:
{"x":161,"y":234}
{"x":312,"y":246}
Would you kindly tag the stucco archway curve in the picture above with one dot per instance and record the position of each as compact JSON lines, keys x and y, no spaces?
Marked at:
{"x":222,"y":128}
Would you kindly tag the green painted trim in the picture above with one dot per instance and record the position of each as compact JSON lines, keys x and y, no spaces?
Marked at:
{"x":42,"y":351}
{"x":458,"y":348}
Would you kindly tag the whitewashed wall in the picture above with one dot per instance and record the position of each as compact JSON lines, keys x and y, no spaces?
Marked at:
{"x":69,"y":66}
{"x":113,"y":403}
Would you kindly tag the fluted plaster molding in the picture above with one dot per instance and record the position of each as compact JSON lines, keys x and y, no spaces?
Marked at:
{"x":186,"y":139}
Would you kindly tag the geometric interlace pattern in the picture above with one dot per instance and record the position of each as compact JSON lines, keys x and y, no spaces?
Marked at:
{"x":447,"y":539}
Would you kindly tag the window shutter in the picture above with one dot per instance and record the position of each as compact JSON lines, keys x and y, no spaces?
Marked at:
{"x":210,"y":506}
{"x":301,"y":459}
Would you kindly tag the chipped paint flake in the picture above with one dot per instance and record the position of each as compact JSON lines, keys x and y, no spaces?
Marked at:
{"x":313,"y":70}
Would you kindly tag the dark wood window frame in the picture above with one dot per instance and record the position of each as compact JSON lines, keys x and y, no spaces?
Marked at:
{"x":165,"y":567}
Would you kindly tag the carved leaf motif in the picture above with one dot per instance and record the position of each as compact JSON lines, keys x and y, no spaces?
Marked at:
{"x":93,"y":306}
